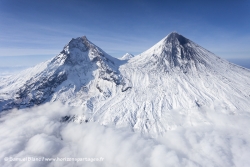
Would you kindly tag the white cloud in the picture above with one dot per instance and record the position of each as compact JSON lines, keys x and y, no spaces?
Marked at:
{"x":38,"y":132}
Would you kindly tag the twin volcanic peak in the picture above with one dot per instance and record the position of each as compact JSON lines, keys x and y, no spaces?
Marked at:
{"x":172,"y":80}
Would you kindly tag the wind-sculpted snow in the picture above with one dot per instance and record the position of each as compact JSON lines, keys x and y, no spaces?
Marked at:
{"x":39,"y":132}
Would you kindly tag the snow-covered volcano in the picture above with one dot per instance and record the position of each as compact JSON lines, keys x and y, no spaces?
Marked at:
{"x":77,"y":72}
{"x":172,"y":84}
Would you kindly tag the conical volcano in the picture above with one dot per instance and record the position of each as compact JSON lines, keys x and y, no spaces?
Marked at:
{"x":180,"y":51}
{"x":177,"y":52}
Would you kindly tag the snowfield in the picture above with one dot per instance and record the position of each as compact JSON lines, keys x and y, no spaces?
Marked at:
{"x":176,"y":104}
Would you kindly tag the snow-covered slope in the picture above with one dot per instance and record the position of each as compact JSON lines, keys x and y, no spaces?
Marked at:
{"x":127,"y":56}
{"x":80,"y":71}
{"x":172,"y":84}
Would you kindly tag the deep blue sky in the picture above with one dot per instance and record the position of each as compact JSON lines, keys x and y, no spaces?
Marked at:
{"x":38,"y":30}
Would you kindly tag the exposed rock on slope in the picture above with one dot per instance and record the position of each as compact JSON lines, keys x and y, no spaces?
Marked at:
{"x":71,"y":72}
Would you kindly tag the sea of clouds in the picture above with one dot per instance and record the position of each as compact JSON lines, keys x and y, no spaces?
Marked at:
{"x":29,"y":136}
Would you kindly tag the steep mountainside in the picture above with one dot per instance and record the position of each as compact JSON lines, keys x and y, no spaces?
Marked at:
{"x":172,"y":84}
{"x":80,"y":67}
